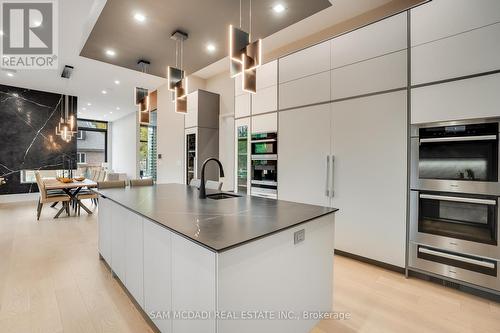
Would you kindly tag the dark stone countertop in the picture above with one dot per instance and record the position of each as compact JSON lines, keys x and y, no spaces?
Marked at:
{"x":218,"y":225}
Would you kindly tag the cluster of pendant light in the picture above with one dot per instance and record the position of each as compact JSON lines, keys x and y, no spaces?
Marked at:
{"x":245,"y":56}
{"x":176,"y":78}
{"x":66,"y":128}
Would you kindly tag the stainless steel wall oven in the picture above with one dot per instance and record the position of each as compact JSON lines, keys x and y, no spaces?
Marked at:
{"x":454,"y":200}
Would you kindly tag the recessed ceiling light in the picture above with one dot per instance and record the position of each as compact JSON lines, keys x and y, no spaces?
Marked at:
{"x":10,"y":74}
{"x":84,"y":109}
{"x":211,"y":47}
{"x":1,"y":32}
{"x":89,"y":104}
{"x":104,"y":92}
{"x":117,"y":81}
{"x":118,"y":108}
{"x":110,"y":112}
{"x":139,"y":17}
{"x":279,"y":8}
{"x":110,"y":52}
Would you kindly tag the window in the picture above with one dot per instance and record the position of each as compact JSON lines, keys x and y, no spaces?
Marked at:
{"x":92,"y":144}
{"x":81,"y":158}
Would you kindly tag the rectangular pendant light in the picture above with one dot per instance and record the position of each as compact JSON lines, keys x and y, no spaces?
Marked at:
{"x":180,"y":96}
{"x":174,"y":75}
{"x":238,"y":41}
{"x":244,"y":57}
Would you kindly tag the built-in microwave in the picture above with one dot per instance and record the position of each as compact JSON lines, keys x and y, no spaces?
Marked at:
{"x":463,"y":223}
{"x":264,"y":145}
{"x":459,"y":156}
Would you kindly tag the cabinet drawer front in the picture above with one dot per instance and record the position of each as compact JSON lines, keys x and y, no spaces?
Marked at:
{"x":378,"y":74}
{"x":308,"y":90}
{"x":267,"y":75}
{"x":242,"y":106}
{"x":468,"y":53}
{"x":265,"y":100}
{"x":376,"y":39}
{"x":443,"y":18}
{"x":312,"y":60}
{"x":464,"y":99}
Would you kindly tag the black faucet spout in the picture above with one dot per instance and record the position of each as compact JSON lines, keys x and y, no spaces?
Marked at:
{"x":203,"y":191}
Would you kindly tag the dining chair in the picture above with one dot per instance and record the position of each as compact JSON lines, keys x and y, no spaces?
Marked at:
{"x":46,"y":197}
{"x":102,"y":176}
{"x":112,"y":184}
{"x":142,"y":182}
{"x":87,"y":195}
{"x":213,"y":185}
{"x":195,"y":183}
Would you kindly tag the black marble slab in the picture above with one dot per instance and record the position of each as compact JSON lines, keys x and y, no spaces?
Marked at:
{"x":27,"y":136}
{"x":218,"y":225}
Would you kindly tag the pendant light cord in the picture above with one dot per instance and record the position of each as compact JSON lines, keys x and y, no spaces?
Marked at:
{"x":240,"y":14}
{"x":250,"y":28}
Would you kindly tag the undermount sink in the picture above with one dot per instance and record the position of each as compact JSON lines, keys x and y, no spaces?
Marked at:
{"x":221,"y":196}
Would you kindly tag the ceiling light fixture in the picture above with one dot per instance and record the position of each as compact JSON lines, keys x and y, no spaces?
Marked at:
{"x":84,"y":109}
{"x":117,"y":82}
{"x":110,"y":52}
{"x":118,"y":108}
{"x":104,"y":92}
{"x":139,"y":17}
{"x":211,"y":47}
{"x":176,"y":78}
{"x":279,"y":8}
{"x":245,"y":56}
{"x":10,"y":74}
{"x":66,"y":128}
{"x":89,"y":104}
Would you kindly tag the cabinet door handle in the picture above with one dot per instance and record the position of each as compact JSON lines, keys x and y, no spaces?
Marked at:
{"x":332,"y":191}
{"x":327,"y":190}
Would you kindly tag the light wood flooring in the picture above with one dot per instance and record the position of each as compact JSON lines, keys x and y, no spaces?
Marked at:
{"x":52,"y":281}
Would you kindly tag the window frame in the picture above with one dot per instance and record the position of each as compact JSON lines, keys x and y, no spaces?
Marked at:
{"x":105,"y":131}
{"x":78,"y":161}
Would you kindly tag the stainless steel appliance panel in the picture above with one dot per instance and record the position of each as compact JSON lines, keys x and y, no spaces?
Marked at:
{"x":428,"y":259}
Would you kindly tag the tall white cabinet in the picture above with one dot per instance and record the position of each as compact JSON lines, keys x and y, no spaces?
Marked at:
{"x":344,"y":143}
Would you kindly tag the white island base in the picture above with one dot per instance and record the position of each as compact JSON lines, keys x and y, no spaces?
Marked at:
{"x":185,"y":287}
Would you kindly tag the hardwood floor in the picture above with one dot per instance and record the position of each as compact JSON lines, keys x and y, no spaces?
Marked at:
{"x":52,"y":281}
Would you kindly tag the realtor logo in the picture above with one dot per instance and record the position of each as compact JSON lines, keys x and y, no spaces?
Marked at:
{"x":29,"y":34}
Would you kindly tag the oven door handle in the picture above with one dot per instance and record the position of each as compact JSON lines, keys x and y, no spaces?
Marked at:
{"x":459,"y":199}
{"x":460,"y":139}
{"x":456,"y":257}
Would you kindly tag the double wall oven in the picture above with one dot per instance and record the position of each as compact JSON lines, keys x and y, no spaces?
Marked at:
{"x":454,"y":201}
{"x":264,"y":167}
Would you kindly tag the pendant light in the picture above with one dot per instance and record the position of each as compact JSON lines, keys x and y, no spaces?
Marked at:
{"x":176,"y":78}
{"x":245,"y":56}
{"x":66,"y":128}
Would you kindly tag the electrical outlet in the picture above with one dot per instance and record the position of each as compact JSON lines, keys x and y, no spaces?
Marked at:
{"x":299,"y":236}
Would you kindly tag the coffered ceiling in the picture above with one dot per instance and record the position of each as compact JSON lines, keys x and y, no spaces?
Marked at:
{"x":205,"y":21}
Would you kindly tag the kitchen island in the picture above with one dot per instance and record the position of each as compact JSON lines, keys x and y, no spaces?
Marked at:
{"x":238,"y":264}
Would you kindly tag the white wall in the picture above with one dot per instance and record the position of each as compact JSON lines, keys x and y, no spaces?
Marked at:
{"x":170,"y":167}
{"x":223,"y":85}
{"x":125,"y":145}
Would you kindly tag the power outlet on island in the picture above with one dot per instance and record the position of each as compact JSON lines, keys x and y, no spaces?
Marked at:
{"x":299,"y":236}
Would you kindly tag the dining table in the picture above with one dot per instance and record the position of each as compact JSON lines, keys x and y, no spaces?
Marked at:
{"x":71,"y":189}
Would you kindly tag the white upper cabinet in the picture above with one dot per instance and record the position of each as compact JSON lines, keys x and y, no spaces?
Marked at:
{"x":444,"y":18}
{"x":191,"y":119}
{"x":377,"y":74}
{"x":467,"y":53}
{"x":265,"y":100}
{"x":242,"y":106}
{"x":267,"y":75}
{"x":376,"y":39}
{"x":308,"y":90}
{"x":265,"y":123}
{"x":313,"y":60}
{"x":464,"y":99}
